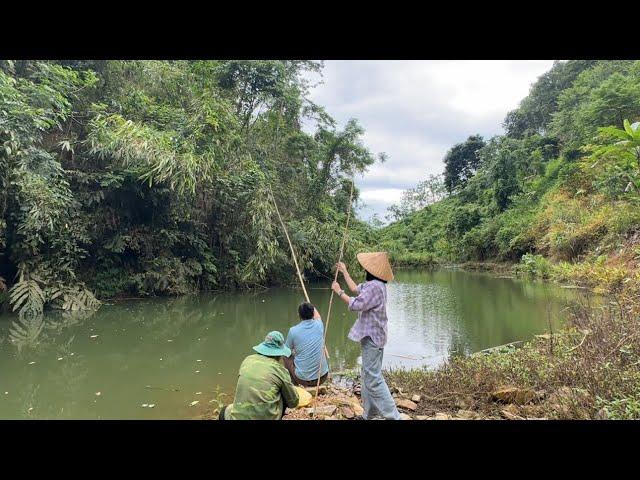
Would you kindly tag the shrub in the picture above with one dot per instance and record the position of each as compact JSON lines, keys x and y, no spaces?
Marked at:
{"x":534,"y":265}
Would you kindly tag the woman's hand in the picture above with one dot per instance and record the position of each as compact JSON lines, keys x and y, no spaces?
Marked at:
{"x":335,"y":286}
{"x":341,"y":267}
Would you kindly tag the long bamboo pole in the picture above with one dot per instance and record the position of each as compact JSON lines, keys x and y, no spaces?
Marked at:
{"x":293,"y":253}
{"x":335,"y":279}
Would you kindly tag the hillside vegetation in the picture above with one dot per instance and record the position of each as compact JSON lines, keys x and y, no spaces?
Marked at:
{"x":559,"y":192}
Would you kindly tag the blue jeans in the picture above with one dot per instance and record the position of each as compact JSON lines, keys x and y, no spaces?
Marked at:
{"x":376,"y":397}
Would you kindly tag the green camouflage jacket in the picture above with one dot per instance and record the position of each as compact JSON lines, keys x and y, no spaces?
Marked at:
{"x":263,"y":384}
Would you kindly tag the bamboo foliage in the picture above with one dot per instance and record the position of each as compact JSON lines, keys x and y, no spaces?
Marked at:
{"x":155,"y":183}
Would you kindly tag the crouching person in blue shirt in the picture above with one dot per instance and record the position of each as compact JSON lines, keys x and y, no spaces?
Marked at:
{"x":305,"y":342}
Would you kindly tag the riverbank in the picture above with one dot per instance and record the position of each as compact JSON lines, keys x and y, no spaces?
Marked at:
{"x":590,"y":369}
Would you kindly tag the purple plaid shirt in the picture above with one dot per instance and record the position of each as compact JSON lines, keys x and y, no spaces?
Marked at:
{"x":371,"y":304}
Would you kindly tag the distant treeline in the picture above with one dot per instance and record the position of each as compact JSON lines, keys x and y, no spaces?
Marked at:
{"x":562,"y":183}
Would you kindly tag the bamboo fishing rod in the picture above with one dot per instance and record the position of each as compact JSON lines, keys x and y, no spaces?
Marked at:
{"x":335,"y":279}
{"x":293,"y":253}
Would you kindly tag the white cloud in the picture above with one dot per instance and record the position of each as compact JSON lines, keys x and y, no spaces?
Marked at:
{"x":416,"y":110}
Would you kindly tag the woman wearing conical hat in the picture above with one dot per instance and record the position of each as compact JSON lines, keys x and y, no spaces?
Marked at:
{"x":371,"y":330}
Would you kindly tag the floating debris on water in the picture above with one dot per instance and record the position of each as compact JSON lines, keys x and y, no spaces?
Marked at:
{"x":30,"y":408}
{"x":98,"y":394}
{"x":60,"y":358}
{"x":169,"y":340}
{"x":93,"y":336}
{"x":198,"y":360}
{"x":71,"y":354}
{"x":145,"y":405}
{"x":195,"y":402}
{"x":31,"y":363}
{"x":160,"y":359}
{"x":198,"y":393}
{"x":6,"y":393}
{"x":197,"y":371}
{"x":151,"y":405}
{"x":219,"y":373}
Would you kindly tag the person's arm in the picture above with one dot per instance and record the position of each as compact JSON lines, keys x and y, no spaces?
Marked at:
{"x":368,"y":298}
{"x":353,"y":286}
{"x":335,"y":286}
{"x":289,"y":342}
{"x":289,"y":393}
{"x":316,"y":316}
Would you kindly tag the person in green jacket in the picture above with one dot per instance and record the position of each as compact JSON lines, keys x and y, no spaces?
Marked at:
{"x":264,"y":387}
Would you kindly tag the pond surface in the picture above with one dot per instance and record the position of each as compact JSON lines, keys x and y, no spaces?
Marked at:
{"x":172,"y":352}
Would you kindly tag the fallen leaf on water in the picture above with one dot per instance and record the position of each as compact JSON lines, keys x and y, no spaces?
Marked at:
{"x":195,"y":402}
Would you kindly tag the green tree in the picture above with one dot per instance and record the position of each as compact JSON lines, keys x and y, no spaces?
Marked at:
{"x":461,"y":162}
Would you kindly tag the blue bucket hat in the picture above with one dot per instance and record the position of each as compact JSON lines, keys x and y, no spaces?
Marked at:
{"x":273,"y":345}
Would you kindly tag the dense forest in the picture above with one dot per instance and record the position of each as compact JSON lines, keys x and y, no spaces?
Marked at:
{"x":559,"y":192}
{"x":139,"y":178}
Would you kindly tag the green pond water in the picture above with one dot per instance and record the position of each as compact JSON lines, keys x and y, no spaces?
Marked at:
{"x":172,"y":352}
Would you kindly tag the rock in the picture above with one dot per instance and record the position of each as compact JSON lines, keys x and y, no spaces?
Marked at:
{"x":406,"y":404}
{"x":347,"y":412}
{"x":404,"y":416}
{"x":357,"y":409}
{"x":511,"y":412}
{"x":515,"y":395}
{"x":423,"y":417}
{"x":416,"y":398}
{"x":442,"y":416}
{"x":327,"y":410}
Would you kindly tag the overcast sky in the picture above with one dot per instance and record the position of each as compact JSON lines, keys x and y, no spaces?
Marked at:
{"x":416,"y":110}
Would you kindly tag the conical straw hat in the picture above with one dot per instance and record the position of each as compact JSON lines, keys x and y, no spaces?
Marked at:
{"x":376,"y":263}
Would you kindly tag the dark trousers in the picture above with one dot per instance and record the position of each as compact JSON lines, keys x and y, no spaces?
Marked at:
{"x":290,"y":365}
